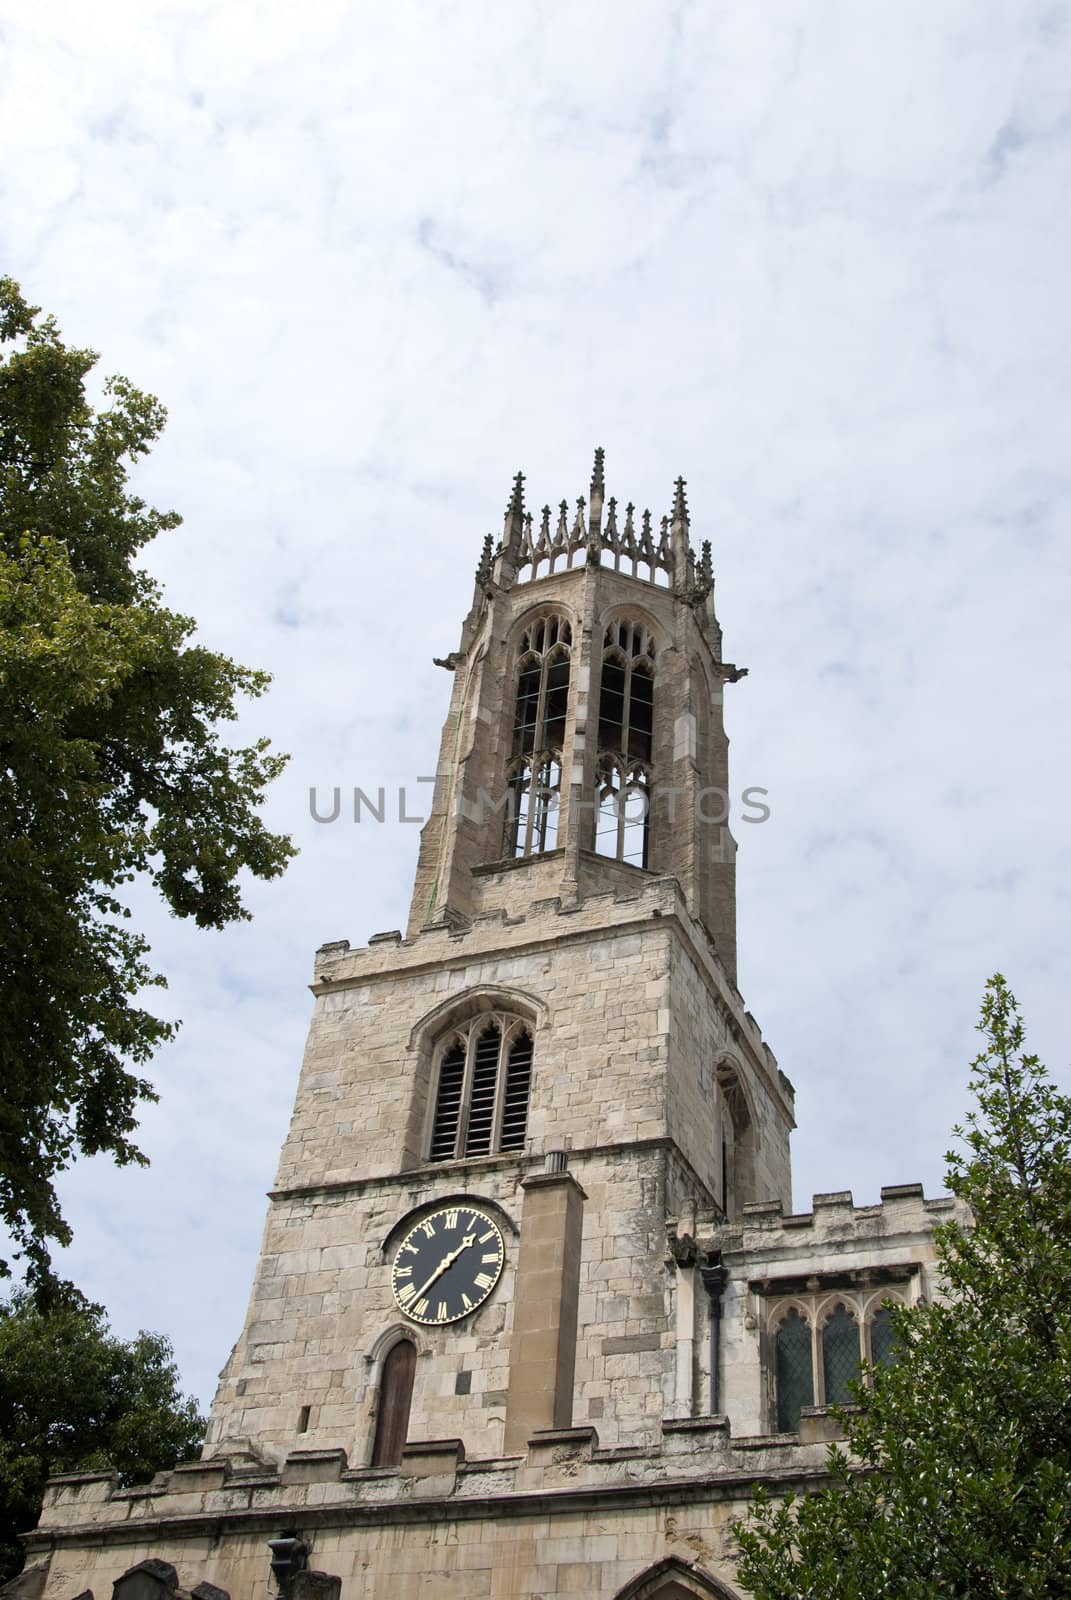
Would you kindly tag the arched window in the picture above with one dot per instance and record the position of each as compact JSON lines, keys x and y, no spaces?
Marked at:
{"x":884,"y":1351}
{"x":737,"y":1141}
{"x":481,"y":1100}
{"x":840,"y":1355}
{"x":626,"y":742}
{"x":624,"y":804}
{"x":395,"y":1401}
{"x":795,"y":1376}
{"x":535,"y":773}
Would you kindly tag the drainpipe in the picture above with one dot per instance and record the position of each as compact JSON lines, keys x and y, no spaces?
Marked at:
{"x":714,"y":1277}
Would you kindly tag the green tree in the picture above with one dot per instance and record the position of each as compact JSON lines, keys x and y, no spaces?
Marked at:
{"x":956,"y":1480}
{"x":111,"y":766}
{"x":74,"y":1397}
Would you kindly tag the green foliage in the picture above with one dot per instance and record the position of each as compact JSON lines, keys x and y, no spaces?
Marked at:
{"x":72,"y":1398}
{"x":957,"y":1476}
{"x":111,"y":766}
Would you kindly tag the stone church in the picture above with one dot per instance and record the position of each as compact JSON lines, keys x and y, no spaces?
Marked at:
{"x":533,"y":1313}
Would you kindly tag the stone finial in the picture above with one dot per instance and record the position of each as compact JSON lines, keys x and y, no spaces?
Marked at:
{"x":683,"y":562}
{"x":487,"y":556}
{"x":598,"y":488}
{"x":513,"y":529}
{"x":704,"y":575}
{"x":680,"y":503}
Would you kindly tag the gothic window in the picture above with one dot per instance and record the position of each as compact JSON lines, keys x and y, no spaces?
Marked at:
{"x":737,"y":1141}
{"x":395,"y":1400}
{"x":819,"y":1370}
{"x":534,"y":784}
{"x":626,"y":742}
{"x":795,"y":1377}
{"x":883,"y":1342}
{"x":484,"y":1077}
{"x":840,"y":1356}
{"x":624,"y":803}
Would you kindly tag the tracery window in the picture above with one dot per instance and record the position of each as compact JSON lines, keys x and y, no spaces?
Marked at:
{"x":626,"y":742}
{"x":883,"y":1341}
{"x":795,"y":1377}
{"x":816,"y":1357}
{"x":840,"y":1356}
{"x":535,"y":773}
{"x":481,"y":1097}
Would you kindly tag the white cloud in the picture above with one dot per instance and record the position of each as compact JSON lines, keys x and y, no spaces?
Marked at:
{"x":811,"y":255}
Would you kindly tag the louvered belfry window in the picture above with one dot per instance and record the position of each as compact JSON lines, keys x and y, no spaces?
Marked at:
{"x":481,"y":1096}
{"x":626,"y":743}
{"x":535,"y":771}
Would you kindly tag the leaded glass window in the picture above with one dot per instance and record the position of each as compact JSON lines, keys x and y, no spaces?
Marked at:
{"x":481,"y":1096}
{"x":542,"y":704}
{"x":840,"y":1356}
{"x":883,"y":1338}
{"x":795,"y":1372}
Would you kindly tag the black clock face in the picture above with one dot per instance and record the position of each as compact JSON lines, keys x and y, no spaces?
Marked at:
{"x":447,"y":1265}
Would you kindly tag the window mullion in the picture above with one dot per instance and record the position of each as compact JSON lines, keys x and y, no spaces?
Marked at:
{"x":817,"y":1362}
{"x":537,"y":750}
{"x":466,"y":1092}
{"x":500,"y":1082}
{"x":626,"y":711}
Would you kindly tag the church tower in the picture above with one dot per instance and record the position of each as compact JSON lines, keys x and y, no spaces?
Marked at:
{"x":555,"y":1059}
{"x":532,"y":1314}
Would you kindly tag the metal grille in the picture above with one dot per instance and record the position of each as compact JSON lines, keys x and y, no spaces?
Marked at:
{"x":840,"y":1355}
{"x":884,"y":1345}
{"x":484,"y":1082}
{"x":515,"y":1104}
{"x":448,"y":1103}
{"x":795,"y":1377}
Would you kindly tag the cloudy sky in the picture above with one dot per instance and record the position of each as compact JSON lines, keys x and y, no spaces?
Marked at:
{"x":377,"y":258}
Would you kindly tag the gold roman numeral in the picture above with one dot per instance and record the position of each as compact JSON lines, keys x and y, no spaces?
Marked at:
{"x":451,"y":1219}
{"x":406,"y":1292}
{"x":440,"y":1311}
{"x":429,"y":1227}
{"x":482,"y":1281}
{"x":420,"y":1309}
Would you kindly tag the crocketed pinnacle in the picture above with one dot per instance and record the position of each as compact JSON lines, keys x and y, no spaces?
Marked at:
{"x":483,"y":571}
{"x":680,"y":503}
{"x":513,"y":529}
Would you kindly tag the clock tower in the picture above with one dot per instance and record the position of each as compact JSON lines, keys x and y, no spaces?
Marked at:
{"x":498,"y":1112}
{"x":533,"y":1314}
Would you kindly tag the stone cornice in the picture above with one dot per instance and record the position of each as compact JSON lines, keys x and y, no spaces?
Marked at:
{"x":432,"y":1509}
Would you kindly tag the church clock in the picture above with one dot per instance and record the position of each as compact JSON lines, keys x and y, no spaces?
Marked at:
{"x":447,"y":1265}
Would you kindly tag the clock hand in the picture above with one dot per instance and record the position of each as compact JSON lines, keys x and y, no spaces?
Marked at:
{"x":445,"y":1264}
